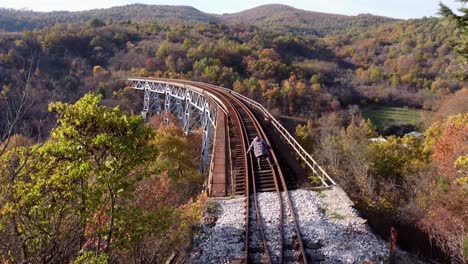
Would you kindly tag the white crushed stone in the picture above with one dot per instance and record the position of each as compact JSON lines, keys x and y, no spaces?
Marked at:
{"x":332,"y":230}
{"x":224,"y":241}
{"x":268,"y":206}
{"x":345,"y":238}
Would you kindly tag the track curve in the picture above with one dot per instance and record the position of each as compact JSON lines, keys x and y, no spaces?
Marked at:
{"x":256,"y":178}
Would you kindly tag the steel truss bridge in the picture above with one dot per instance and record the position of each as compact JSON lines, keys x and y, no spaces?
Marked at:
{"x":230,"y":121}
{"x":203,"y":106}
{"x":193,"y":106}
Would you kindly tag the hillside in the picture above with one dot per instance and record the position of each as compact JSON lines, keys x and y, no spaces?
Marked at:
{"x":320,"y":68}
{"x":301,"y":21}
{"x":284,"y":18}
{"x":19,"y":20}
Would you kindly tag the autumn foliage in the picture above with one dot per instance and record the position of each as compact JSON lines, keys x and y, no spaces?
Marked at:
{"x":104,"y":187}
{"x":417,"y":183}
{"x":446,"y":205}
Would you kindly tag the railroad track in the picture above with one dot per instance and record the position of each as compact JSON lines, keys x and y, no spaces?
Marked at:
{"x":283,"y":242}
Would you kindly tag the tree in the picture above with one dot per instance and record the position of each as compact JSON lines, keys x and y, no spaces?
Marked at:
{"x":239,"y":87}
{"x":375,"y":74}
{"x":112,"y":144}
{"x":163,"y":50}
{"x":95,"y":23}
{"x":170,"y":64}
{"x":17,"y":98}
{"x":73,"y":191}
{"x":461,"y":22}
{"x":445,"y":200}
{"x":304,"y":135}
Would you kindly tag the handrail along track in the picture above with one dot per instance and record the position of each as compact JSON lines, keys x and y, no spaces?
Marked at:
{"x":246,"y":126}
{"x":236,"y":105}
{"x":303,"y":154}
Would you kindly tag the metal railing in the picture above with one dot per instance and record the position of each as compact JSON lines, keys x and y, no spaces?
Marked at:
{"x":301,"y":152}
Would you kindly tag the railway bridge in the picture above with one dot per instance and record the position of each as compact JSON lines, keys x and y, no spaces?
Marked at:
{"x":230,"y":121}
{"x":221,"y":114}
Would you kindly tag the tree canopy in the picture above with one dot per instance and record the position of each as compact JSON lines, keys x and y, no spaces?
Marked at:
{"x":81,"y":190}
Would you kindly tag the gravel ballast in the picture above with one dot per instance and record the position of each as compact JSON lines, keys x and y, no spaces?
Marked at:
{"x":332,"y":231}
{"x":335,"y":229}
{"x":222,"y":241}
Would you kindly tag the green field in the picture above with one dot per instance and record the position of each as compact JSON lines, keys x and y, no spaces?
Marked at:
{"x":383,"y":116}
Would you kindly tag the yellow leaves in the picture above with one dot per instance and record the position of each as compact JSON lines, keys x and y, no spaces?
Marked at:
{"x":4,"y":91}
{"x":143,"y":72}
{"x":191,"y":213}
{"x":461,"y":164}
{"x":20,"y":43}
{"x":316,"y":87}
{"x":7,"y":208}
{"x":270,"y":54}
{"x":239,"y":87}
{"x":16,"y":141}
{"x":99,"y":72}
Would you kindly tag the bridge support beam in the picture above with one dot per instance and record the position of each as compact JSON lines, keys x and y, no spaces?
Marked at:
{"x":151,"y":104}
{"x":195,"y":108}
{"x":191,"y":118}
{"x":220,"y":163}
{"x":207,"y":143}
{"x":173,"y":105}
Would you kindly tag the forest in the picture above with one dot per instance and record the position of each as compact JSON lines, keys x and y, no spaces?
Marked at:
{"x":68,"y":121}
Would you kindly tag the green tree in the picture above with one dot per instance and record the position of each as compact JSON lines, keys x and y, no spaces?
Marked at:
{"x":110,"y":146}
{"x":72,"y":189}
{"x":187,"y":44}
{"x":461,"y":22}
{"x":95,"y":23}
{"x":375,"y":74}
{"x":304,"y":135}
{"x":316,"y":79}
{"x":164,"y":50}
{"x":170,"y":64}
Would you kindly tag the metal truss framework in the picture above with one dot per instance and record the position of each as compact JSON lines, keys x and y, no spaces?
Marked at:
{"x":194,"y":107}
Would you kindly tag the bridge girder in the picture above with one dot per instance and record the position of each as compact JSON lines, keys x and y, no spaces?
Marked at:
{"x":197,"y":108}
{"x":192,"y":106}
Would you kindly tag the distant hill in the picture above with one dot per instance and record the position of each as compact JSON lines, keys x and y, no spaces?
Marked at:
{"x":301,"y":21}
{"x":272,"y":17}
{"x":19,"y":20}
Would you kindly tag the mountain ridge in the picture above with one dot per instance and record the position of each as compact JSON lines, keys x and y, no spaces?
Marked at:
{"x":271,"y":16}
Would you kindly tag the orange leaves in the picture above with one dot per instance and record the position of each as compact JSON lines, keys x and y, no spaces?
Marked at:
{"x":152,"y":193}
{"x":100,"y":73}
{"x":451,"y":145}
{"x":446,"y":204}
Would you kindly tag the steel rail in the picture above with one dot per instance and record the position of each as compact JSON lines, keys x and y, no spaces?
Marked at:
{"x":275,"y":176}
{"x":261,"y":132}
{"x":224,"y":98}
{"x":305,"y":156}
{"x":249,"y":169}
{"x":250,"y":181}
{"x":277,"y":173}
{"x":255,"y":201}
{"x":308,"y":160}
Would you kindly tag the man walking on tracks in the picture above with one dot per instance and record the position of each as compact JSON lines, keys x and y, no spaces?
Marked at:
{"x":260,"y":148}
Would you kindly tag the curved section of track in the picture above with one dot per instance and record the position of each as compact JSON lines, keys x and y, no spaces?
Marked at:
{"x":255,"y":178}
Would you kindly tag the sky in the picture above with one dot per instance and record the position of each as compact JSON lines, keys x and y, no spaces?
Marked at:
{"x":404,"y":9}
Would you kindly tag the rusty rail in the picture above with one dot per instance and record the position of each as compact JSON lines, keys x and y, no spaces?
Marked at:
{"x":235,"y":106}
